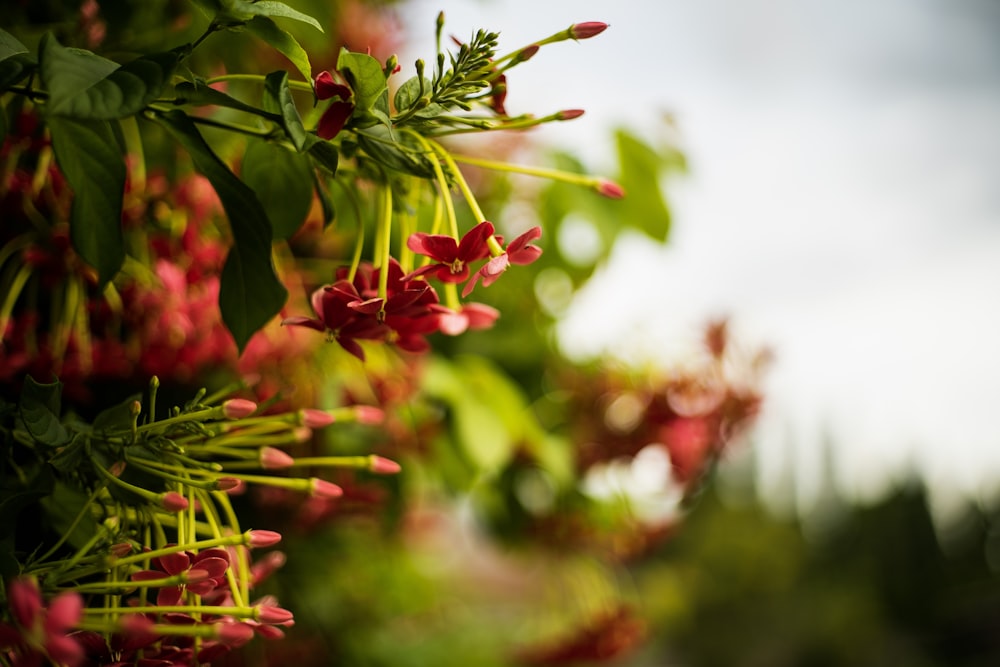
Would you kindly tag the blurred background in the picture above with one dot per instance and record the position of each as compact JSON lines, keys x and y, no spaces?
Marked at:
{"x":840,"y":205}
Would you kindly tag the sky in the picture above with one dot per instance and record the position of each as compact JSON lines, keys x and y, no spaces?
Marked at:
{"x":841,"y":208}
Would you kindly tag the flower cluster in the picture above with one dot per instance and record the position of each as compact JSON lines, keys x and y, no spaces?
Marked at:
{"x":139,"y":479}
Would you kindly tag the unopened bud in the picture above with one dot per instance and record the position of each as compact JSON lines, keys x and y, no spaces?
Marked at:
{"x":324,"y":489}
{"x":173,"y":502}
{"x":610,"y":189}
{"x":525,"y":54}
{"x":227,"y":484}
{"x":272,"y":458}
{"x":260,"y":539}
{"x":117,"y":468}
{"x":569,"y":114}
{"x":121,"y":549}
{"x":234,"y":634}
{"x":587,"y":29}
{"x":238,"y":408}
{"x":369,"y":414}
{"x":273,"y":615}
{"x":383,"y":466}
{"x":316,"y":418}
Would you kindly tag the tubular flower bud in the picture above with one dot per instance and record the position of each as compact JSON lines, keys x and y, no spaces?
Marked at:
{"x":260,"y":539}
{"x":227,"y":483}
{"x":238,"y":408}
{"x":272,"y":458}
{"x":369,"y":414}
{"x":173,"y":502}
{"x":569,"y":114}
{"x":274,"y":615}
{"x":587,"y":29}
{"x":324,"y":489}
{"x":316,"y":418}
{"x":383,"y":466}
{"x":610,"y":189}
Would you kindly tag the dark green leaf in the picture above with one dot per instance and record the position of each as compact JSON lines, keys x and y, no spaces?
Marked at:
{"x":323,"y":153}
{"x":250,"y":293}
{"x":84,"y":85}
{"x":278,"y":100}
{"x":267,"y":30}
{"x":39,"y":408}
{"x":13,"y":500}
{"x":282,"y":181}
{"x":15,"y":68}
{"x":117,"y":417}
{"x":62,"y":508}
{"x":365,"y":76}
{"x":95,"y":170}
{"x":325,"y":200}
{"x":10,"y":46}
{"x":379,"y":144}
{"x":70,"y":457}
{"x":199,"y":94}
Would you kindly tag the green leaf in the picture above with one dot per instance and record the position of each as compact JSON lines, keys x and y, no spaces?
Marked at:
{"x":365,"y":76}
{"x":95,"y":170}
{"x":323,"y":153}
{"x":13,"y":500}
{"x":117,"y":417}
{"x":281,"y":10}
{"x":85,"y":85}
{"x":62,"y":508}
{"x":70,"y":457}
{"x":267,"y":30}
{"x":282,"y":181}
{"x":10,"y":46}
{"x":641,"y":168}
{"x":250,"y":293}
{"x":15,"y":69}
{"x":278,"y":100}
{"x":325,"y":200}
{"x":200,"y":94}
{"x":39,"y":407}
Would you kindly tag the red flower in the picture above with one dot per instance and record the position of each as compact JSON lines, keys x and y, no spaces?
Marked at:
{"x":468,"y":316}
{"x":519,"y":251}
{"x":453,"y":257}
{"x":206,"y":571}
{"x":41,"y":631}
{"x":335,"y":117}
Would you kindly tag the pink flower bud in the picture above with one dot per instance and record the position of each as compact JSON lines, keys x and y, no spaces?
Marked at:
{"x":368,"y":414}
{"x":273,"y":615}
{"x":227,"y":483}
{"x":25,"y":600}
{"x":238,"y":408}
{"x":117,"y":468}
{"x":173,"y":502}
{"x":234,"y":634}
{"x":587,"y":29}
{"x":610,"y":189}
{"x":383,"y":466}
{"x":121,"y":549}
{"x":316,"y":418}
{"x":275,"y":459}
{"x":569,"y":114}
{"x":324,"y":489}
{"x":237,"y":489}
{"x":65,"y":611}
{"x":262,"y":538}
{"x":527,"y":53}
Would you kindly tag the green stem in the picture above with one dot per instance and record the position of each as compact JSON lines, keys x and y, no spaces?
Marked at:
{"x":258,"y":78}
{"x":540,"y":172}
{"x":470,"y":198}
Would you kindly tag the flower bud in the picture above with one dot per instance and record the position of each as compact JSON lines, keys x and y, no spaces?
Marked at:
{"x":587,"y":29}
{"x":272,"y":458}
{"x":238,"y":408}
{"x":227,"y":484}
{"x":234,"y":634}
{"x":316,"y":418}
{"x":259,"y":539}
{"x":383,"y":466}
{"x":524,"y":54}
{"x":273,"y":615}
{"x":173,"y":502}
{"x":324,"y":489}
{"x":117,"y":468}
{"x":121,"y":549}
{"x":569,"y":114}
{"x":368,"y":414}
{"x":610,"y":189}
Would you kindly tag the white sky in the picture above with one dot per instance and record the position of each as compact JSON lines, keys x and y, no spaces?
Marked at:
{"x":842,"y":208}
